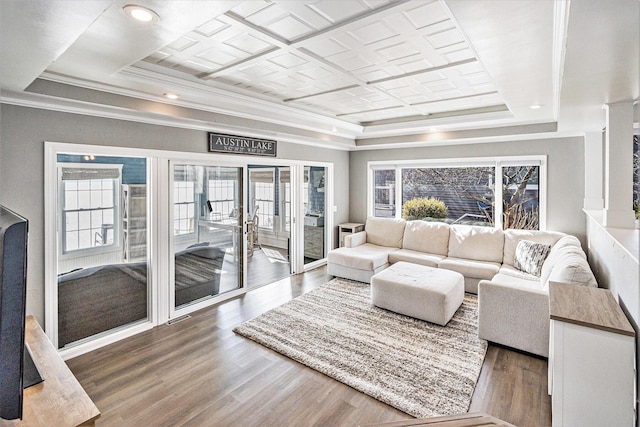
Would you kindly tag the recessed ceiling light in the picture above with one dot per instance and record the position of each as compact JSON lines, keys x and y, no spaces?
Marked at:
{"x":140,"y":13}
{"x":171,"y":95}
{"x":535,"y":106}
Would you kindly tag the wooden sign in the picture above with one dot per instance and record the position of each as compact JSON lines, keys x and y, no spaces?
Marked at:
{"x":221,"y":143}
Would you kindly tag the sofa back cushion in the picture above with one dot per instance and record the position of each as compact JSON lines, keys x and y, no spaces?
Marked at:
{"x":572,"y":268}
{"x":567,"y":244}
{"x":385,"y":231}
{"x":476,"y":243}
{"x":513,"y":237}
{"x":424,"y":236}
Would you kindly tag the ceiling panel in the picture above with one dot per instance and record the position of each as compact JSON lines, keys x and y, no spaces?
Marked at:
{"x":355,"y":61}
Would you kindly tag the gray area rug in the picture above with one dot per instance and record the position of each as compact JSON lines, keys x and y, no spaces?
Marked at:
{"x":418,"y":367}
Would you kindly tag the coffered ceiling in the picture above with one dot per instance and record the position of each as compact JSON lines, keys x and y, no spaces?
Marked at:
{"x":356,"y":68}
{"x":357,"y":61}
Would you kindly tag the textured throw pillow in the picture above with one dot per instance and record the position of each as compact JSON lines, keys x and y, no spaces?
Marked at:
{"x":530,"y":256}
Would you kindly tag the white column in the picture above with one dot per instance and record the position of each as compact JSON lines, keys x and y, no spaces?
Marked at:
{"x":618,"y":211}
{"x":593,"y":176}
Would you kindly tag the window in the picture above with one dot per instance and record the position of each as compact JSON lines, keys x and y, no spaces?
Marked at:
{"x":263,"y":192}
{"x":467,"y":188}
{"x":89,"y":206}
{"x":263,"y":196}
{"x":184,"y":207}
{"x":520,"y":197}
{"x":467,"y":192}
{"x":384,"y":192}
{"x":222,"y":196}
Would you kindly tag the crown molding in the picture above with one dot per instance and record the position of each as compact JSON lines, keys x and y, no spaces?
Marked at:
{"x":193,"y":94}
{"x":405,"y":140}
{"x":46,"y":102}
{"x":415,"y":141}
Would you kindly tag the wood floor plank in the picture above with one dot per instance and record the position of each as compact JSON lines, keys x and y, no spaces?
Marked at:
{"x":197,"y":372}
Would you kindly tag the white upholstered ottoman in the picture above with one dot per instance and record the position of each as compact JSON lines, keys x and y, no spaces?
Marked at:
{"x":426,"y":293}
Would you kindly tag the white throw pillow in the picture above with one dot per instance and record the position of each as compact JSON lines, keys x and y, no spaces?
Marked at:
{"x":530,"y":256}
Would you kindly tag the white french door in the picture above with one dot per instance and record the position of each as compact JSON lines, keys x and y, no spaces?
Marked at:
{"x":169,"y":229}
{"x":207,"y":232}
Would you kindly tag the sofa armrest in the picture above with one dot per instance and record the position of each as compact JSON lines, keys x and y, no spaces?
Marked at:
{"x":514,"y":316}
{"x":355,"y":239}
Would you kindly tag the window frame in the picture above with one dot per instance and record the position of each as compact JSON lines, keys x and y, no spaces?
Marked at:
{"x":215,"y":185}
{"x":194,"y":207}
{"x":497,"y":162}
{"x":63,"y":253}
{"x":255,"y":183}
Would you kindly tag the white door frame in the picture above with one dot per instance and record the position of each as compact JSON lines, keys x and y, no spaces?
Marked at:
{"x":170,"y":266}
{"x":158,"y":175}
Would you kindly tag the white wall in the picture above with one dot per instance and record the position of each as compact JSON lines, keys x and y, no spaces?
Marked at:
{"x":565,"y":174}
{"x":22,"y":137}
{"x":613,"y":256}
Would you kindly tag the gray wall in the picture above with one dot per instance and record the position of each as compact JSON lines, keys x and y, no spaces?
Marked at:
{"x":565,"y":174}
{"x":22,"y":137}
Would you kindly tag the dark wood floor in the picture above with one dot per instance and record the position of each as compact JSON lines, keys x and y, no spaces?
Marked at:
{"x":267,"y":264}
{"x":197,"y":372}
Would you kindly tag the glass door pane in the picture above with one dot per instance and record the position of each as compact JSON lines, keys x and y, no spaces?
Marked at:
{"x":268,"y":224}
{"x":208,"y":244}
{"x":314,"y":198}
{"x":102,"y":245}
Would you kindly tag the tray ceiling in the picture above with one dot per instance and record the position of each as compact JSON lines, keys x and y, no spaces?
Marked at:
{"x":358,"y":61}
{"x":354,"y":68}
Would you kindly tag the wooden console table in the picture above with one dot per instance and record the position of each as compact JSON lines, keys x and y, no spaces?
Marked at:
{"x":591,"y":358}
{"x":59,"y":400}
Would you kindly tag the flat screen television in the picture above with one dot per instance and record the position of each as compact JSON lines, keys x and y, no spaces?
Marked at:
{"x":15,"y":360}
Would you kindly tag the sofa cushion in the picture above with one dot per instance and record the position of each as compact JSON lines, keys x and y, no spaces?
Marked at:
{"x":422,"y":258}
{"x":570,"y":267}
{"x":476,"y":243}
{"x":509,"y":270}
{"x":363,"y":257}
{"x":385,"y":231}
{"x":424,"y":236}
{"x":565,"y":245}
{"x":530,"y":256}
{"x":471,"y":268}
{"x":519,"y":282}
{"x":512,"y":237}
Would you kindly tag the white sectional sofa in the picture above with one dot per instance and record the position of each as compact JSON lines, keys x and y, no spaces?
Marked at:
{"x":513,"y":304}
